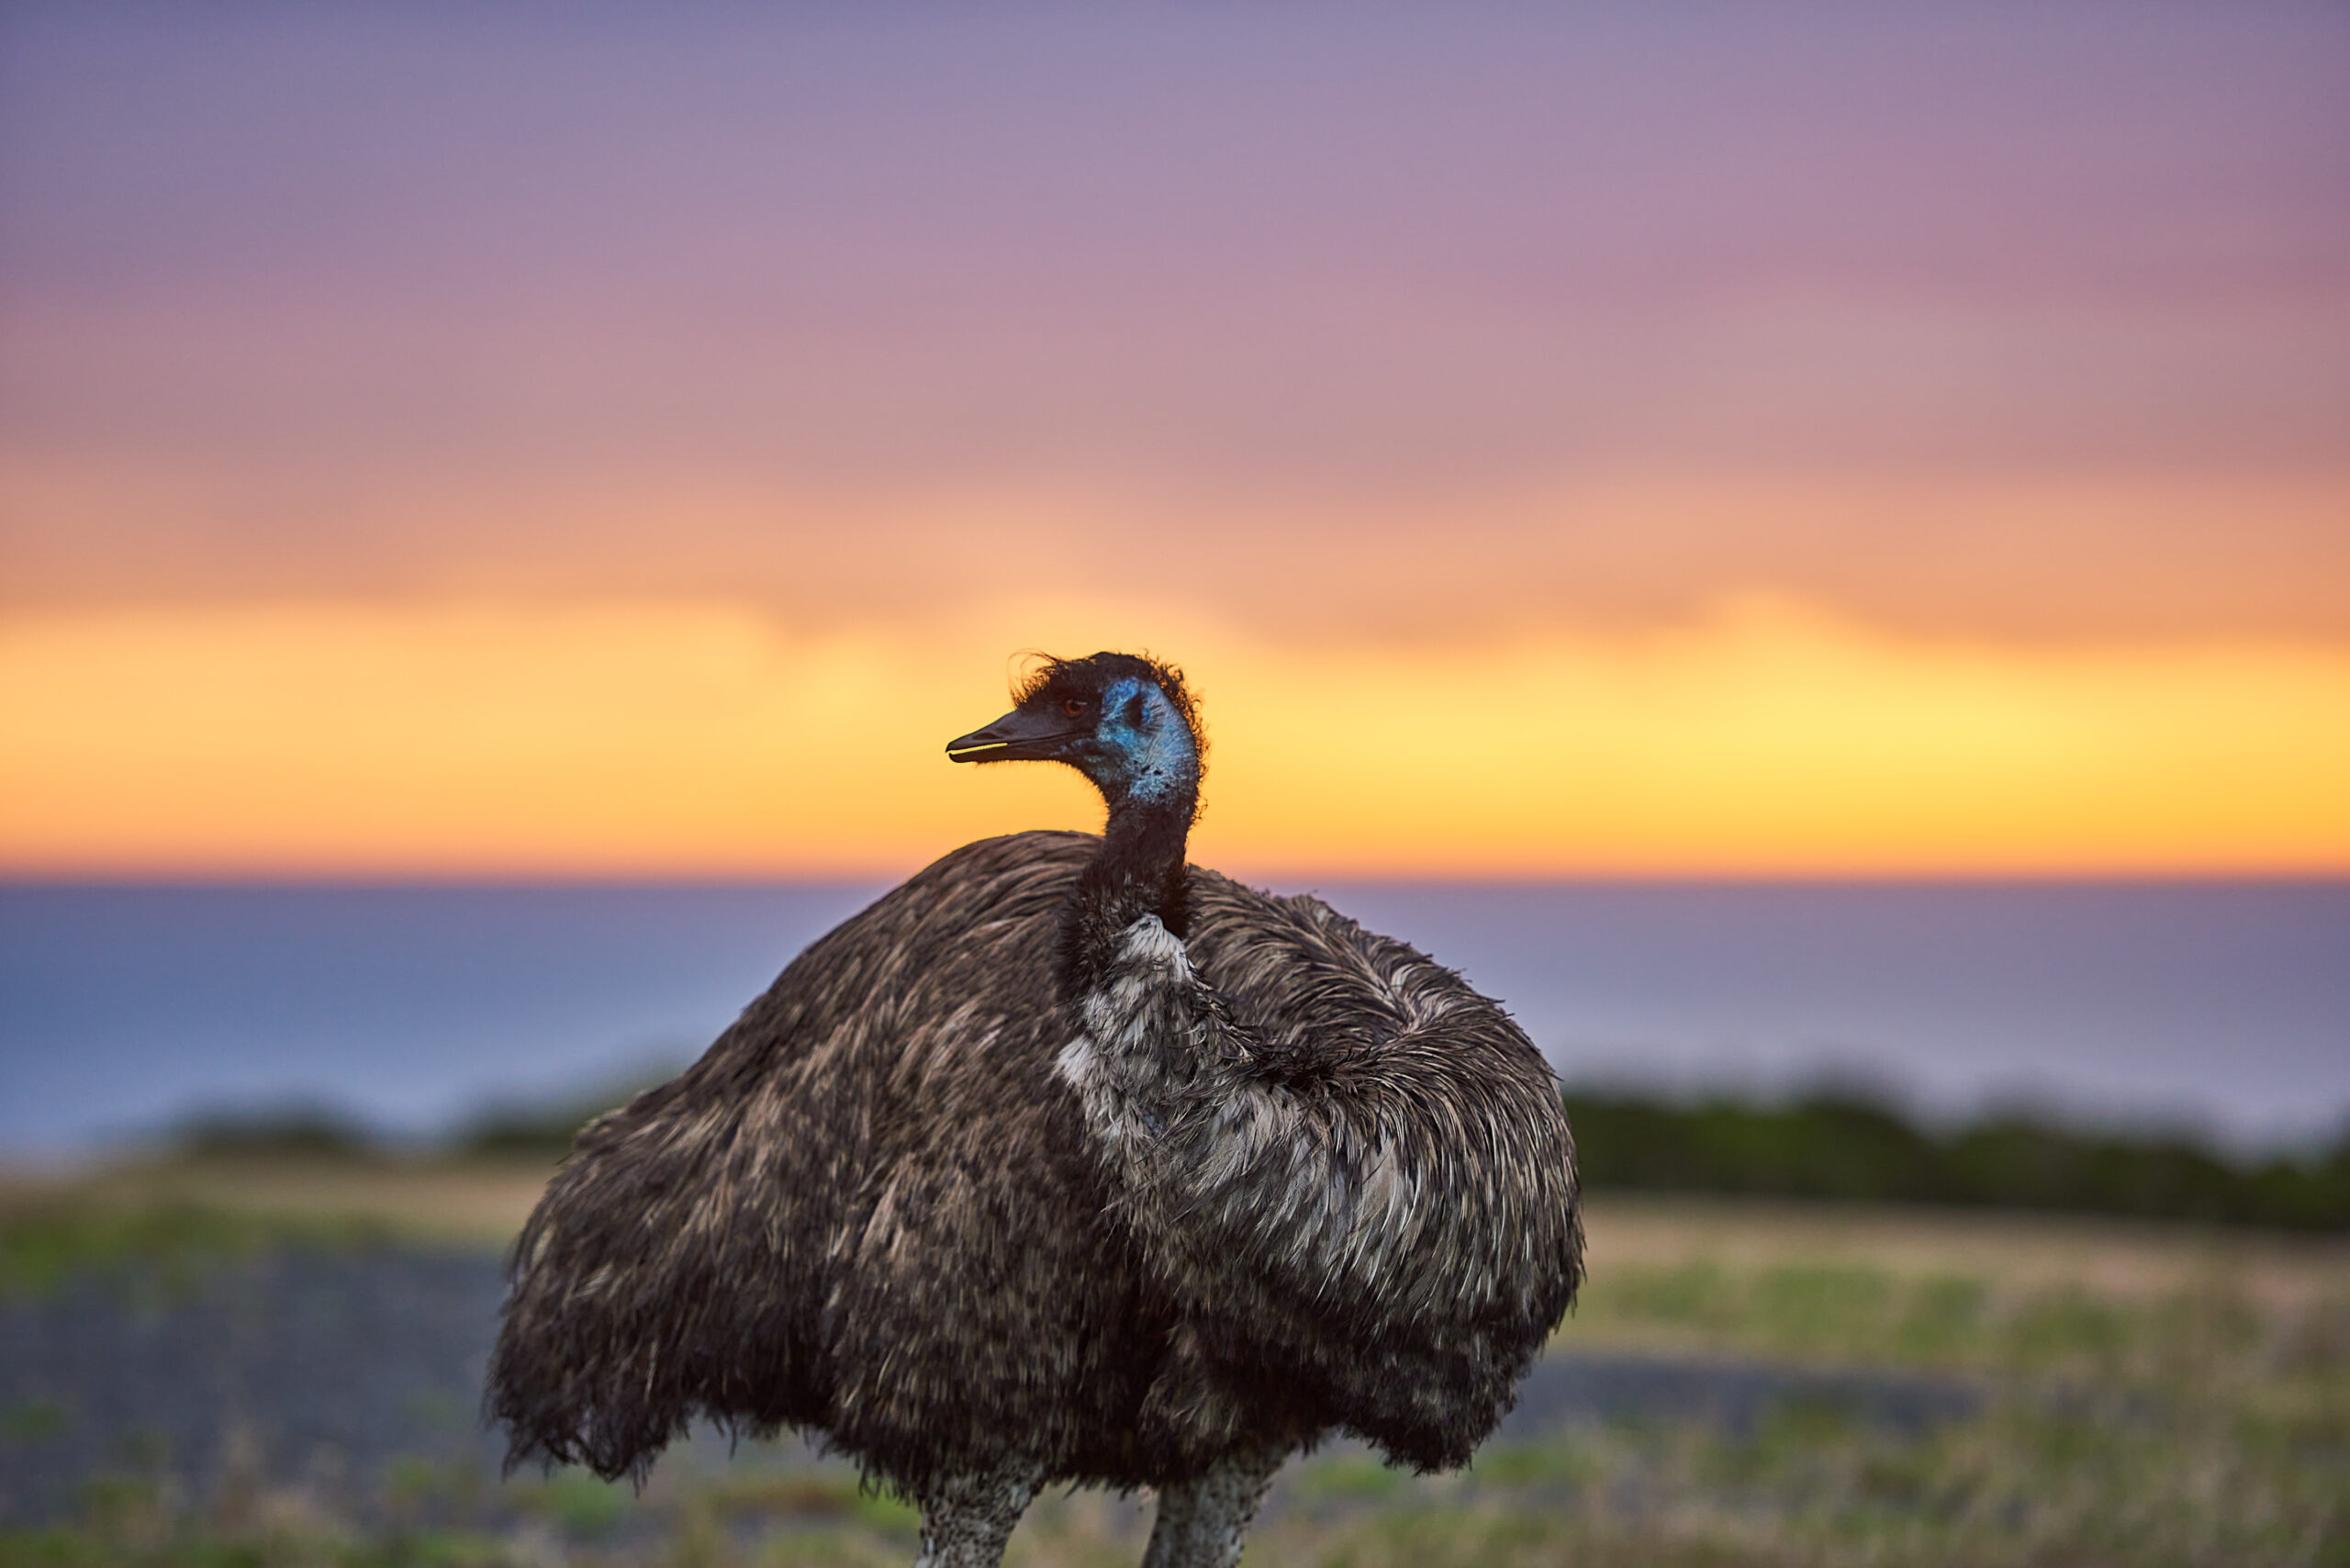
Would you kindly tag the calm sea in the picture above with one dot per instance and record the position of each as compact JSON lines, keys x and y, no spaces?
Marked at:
{"x":2222,"y":1006}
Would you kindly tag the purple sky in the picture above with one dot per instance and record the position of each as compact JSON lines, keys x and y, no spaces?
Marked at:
{"x":2022,"y":319}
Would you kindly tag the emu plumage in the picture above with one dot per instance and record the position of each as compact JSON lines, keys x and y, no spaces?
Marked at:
{"x":1063,"y":1162}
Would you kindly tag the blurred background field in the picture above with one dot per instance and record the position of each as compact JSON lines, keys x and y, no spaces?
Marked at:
{"x":1744,"y":1381}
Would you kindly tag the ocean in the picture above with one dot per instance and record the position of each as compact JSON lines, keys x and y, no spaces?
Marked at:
{"x":2222,"y":1008}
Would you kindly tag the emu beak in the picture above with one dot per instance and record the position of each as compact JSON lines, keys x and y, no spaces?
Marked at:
{"x":1018,"y":736}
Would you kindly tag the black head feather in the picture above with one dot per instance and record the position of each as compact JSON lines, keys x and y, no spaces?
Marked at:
{"x":1058,"y":682}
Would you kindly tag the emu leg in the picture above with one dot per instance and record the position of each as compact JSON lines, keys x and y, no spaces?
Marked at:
{"x":966,"y":1519}
{"x":1200,"y":1522}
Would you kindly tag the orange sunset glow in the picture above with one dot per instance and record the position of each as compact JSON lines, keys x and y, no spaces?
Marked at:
{"x":650,"y":738}
{"x":1555,"y":446}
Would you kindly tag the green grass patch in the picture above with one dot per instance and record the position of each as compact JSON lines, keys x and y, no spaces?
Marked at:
{"x":579,"y":1504}
{"x":1348,"y":1477}
{"x":38,"y":1421}
{"x":1944,"y":1322}
{"x":166,"y":1245}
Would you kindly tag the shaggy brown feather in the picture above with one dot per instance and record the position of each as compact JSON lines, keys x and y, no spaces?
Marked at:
{"x":877,"y":1209}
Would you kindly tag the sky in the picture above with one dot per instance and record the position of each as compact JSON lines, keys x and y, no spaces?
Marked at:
{"x":1703,"y":440}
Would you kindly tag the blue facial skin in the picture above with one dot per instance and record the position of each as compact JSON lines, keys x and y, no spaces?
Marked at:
{"x":1140,"y":743}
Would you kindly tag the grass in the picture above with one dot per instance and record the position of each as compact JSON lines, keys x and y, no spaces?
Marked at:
{"x":479,"y":1201}
{"x":2149,"y":1395}
{"x":155,"y":1247}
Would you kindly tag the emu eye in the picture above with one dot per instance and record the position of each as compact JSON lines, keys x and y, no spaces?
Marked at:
{"x":1074,"y":707}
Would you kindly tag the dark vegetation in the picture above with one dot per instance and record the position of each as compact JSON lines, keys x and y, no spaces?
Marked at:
{"x":291,"y":1132}
{"x":1848,"y":1147}
{"x":1836,"y":1146}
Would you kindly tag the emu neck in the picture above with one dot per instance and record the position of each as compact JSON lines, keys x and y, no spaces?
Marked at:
{"x":1140,"y":869}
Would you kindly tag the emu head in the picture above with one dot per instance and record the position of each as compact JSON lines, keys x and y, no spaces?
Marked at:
{"x":1124,"y":722}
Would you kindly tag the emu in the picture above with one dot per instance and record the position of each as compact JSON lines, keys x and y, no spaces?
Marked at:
{"x":1065,"y":1162}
